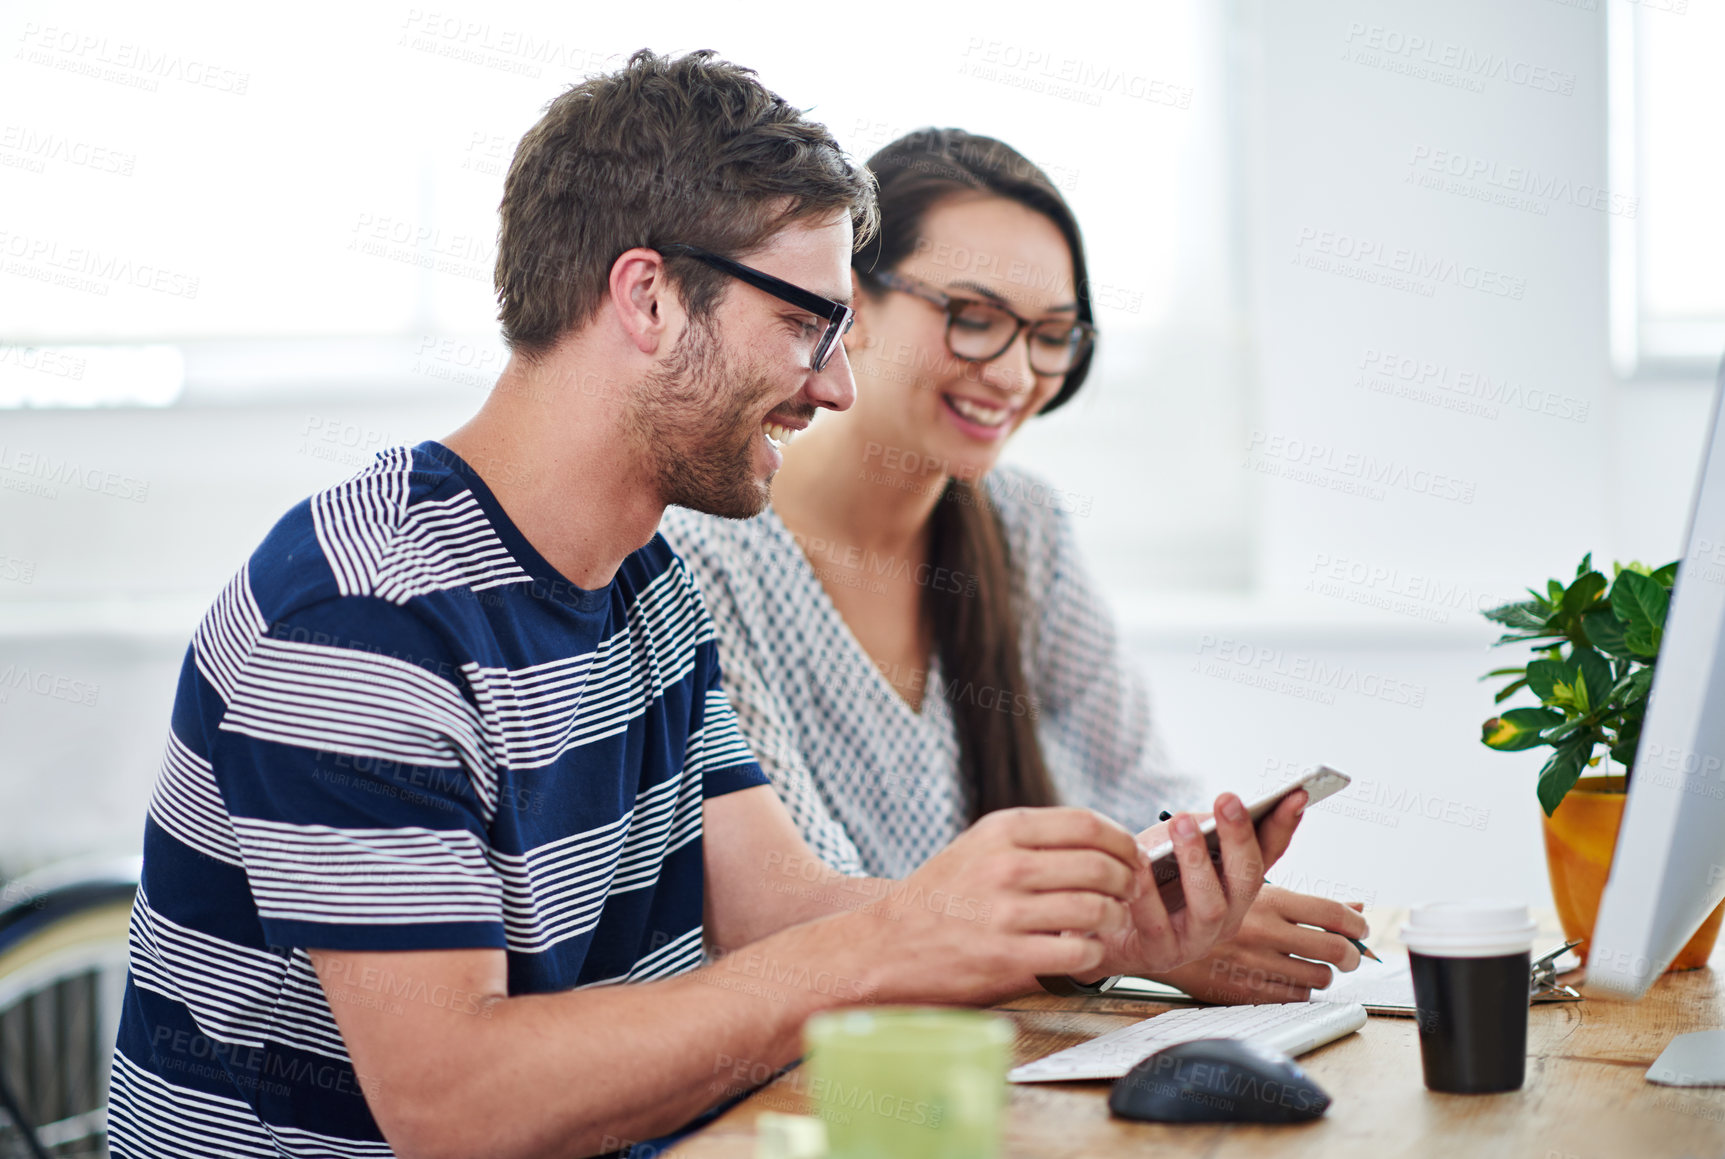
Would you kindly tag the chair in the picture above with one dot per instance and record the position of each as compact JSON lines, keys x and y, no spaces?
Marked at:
{"x":62,"y":978}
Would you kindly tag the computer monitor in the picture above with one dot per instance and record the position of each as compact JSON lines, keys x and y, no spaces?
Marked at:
{"x":1668,"y":872}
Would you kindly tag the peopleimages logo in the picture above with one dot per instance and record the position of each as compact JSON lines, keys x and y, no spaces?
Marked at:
{"x":124,"y":62}
{"x":1393,"y":47}
{"x":1294,"y":674}
{"x":463,"y":255}
{"x":1036,"y":69}
{"x":1514,"y":186}
{"x":521,"y":51}
{"x":1364,"y":257}
{"x":23,"y":678}
{"x":34,"y":149}
{"x":1461,"y":388}
{"x":15,"y":570}
{"x":45,"y":360}
{"x":1306,"y":460}
{"x":88,"y":269}
{"x":1422,"y":597}
{"x":39,"y":473}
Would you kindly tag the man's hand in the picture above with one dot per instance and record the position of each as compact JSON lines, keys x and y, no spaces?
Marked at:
{"x":981,"y":918}
{"x":1157,"y":942}
{"x":1277,"y":955}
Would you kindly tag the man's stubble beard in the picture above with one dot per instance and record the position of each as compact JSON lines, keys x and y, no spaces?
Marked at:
{"x":696,"y":423}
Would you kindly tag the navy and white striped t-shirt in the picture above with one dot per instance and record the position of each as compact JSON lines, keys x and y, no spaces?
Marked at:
{"x":398,"y":728}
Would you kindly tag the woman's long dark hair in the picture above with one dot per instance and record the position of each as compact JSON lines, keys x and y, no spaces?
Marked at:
{"x":976,"y":626}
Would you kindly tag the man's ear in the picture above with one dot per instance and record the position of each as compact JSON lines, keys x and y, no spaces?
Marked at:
{"x":646,"y":306}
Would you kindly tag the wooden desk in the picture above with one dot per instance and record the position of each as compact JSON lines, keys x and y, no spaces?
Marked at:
{"x":1584,"y":1097}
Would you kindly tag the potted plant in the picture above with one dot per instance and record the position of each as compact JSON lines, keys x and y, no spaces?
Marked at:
{"x":1596,"y":644}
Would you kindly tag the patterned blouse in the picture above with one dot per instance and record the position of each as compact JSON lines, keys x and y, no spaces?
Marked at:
{"x":872,"y":783}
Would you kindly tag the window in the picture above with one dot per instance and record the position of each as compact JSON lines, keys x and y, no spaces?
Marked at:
{"x":1668,"y":237}
{"x":200,"y":212}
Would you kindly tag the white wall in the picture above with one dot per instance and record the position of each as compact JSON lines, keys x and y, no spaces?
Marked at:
{"x":1324,"y":143}
{"x":115,"y":584}
{"x":1330,"y":133}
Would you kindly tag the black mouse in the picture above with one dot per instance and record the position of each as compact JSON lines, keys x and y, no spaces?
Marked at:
{"x":1217,"y":1080}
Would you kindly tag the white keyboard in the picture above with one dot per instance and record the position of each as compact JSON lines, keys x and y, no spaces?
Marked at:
{"x":1290,"y":1027}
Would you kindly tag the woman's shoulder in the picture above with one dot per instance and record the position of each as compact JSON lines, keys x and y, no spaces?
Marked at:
{"x":695,"y":533}
{"x":1034,"y":512}
{"x":723,"y":553}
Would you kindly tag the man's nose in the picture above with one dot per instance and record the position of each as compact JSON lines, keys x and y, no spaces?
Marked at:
{"x":834,"y":387}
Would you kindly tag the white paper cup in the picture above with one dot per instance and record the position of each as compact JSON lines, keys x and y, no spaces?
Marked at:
{"x":1471,"y":963}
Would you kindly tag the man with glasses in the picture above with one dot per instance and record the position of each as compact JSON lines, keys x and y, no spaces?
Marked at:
{"x":456,"y":848}
{"x":838,"y":316}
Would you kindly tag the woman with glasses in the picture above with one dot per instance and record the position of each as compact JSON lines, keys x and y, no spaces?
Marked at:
{"x":908,"y":633}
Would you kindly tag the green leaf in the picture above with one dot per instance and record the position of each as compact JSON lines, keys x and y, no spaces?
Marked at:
{"x":1593,"y":688}
{"x":1586,"y":565}
{"x":1545,"y":676}
{"x":1519,"y":728}
{"x":1509,"y":690}
{"x":1562,"y":771}
{"x":1554,"y":592}
{"x":1526,"y":616}
{"x":1556,"y":736}
{"x":1628,"y":739}
{"x":1667,"y":575}
{"x":1605,"y":631}
{"x":1644,"y":645}
{"x":1633,"y":688}
{"x":1641,"y":604}
{"x":1504,"y":672}
{"x":1512,"y":639}
{"x":1583,"y":593}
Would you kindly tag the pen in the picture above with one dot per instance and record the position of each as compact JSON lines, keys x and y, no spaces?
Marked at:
{"x":1164,"y":815}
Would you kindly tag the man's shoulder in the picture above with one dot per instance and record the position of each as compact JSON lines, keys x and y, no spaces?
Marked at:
{"x":289,"y":570}
{"x":352,"y":555}
{"x":407,"y":525}
{"x":655,"y":573}
{"x":291,"y":567}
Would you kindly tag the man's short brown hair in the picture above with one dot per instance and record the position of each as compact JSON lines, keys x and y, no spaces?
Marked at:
{"x":688,"y":149}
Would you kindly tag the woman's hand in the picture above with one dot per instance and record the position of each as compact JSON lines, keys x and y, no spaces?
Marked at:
{"x":1279,"y":952}
{"x":1215,"y":905}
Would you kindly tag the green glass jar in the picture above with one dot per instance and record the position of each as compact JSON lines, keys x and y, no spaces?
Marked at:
{"x":909,"y":1082}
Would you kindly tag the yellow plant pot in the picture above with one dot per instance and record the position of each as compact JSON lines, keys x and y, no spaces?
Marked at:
{"x":1579,"y":840}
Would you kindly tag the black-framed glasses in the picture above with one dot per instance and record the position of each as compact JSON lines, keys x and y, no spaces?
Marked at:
{"x":837,"y":315}
{"x":978,"y":330}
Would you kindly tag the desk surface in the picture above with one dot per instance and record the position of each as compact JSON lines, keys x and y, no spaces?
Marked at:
{"x":1584,"y":1097}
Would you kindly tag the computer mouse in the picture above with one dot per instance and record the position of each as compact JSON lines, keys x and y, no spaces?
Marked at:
{"x":1217,"y":1080}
